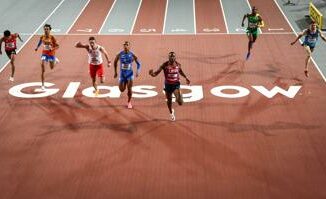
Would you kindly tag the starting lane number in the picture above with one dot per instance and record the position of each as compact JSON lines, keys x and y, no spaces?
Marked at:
{"x":179,"y":30}
{"x":148,"y":30}
{"x":56,"y":30}
{"x":85,"y":30}
{"x":116,"y":30}
{"x":211,"y":30}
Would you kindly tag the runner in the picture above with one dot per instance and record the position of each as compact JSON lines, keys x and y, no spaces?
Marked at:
{"x":49,"y":47}
{"x":95,"y":60}
{"x":126,"y":78}
{"x":172,"y":71}
{"x":311,"y":36}
{"x":254,"y":23}
{"x":10,"y":41}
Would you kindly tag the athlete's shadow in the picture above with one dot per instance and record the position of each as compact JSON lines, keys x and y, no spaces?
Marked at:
{"x":97,"y":117}
{"x":208,"y":59}
{"x":265,"y":129}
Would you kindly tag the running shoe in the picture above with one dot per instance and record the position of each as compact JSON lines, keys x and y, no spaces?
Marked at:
{"x":172,"y":115}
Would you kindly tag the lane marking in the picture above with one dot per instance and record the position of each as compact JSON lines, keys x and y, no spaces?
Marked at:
{"x":194,"y":12}
{"x":211,"y":30}
{"x":73,"y":23}
{"x":55,"y":30}
{"x":106,"y":18}
{"x":148,"y":30}
{"x":34,"y":33}
{"x":169,"y":34}
{"x":166,"y":11}
{"x":85,"y":30}
{"x":296,"y":34}
{"x":134,"y":22}
{"x":275,"y":29}
{"x":225,"y":22}
{"x":116,"y":30}
{"x":179,"y":30}
{"x":240,"y":29}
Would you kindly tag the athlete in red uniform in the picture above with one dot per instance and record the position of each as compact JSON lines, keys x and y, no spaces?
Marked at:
{"x":10,"y":41}
{"x":95,"y":60}
{"x":50,"y":45}
{"x":172,"y":71}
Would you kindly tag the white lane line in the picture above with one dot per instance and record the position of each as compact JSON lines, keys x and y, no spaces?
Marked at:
{"x":106,"y":18}
{"x":296,"y":34}
{"x":166,"y":11}
{"x":34,"y":33}
{"x":160,"y":34}
{"x":73,"y":23}
{"x":134,"y":22}
{"x":194,"y":12}
{"x":225,"y":22}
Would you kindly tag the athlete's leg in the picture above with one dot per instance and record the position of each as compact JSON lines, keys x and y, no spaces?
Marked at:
{"x":122,"y":86}
{"x":250,"y":42}
{"x":43,"y":70}
{"x":178,"y":96}
{"x":308,"y":51}
{"x":12,"y":62}
{"x":129,"y":85}
{"x":52,"y":63}
{"x":168,"y":96}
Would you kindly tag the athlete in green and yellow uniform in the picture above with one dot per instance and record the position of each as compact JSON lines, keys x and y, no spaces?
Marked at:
{"x":254,"y":23}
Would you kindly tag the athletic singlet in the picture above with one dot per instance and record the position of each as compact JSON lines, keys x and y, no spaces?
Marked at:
{"x":95,"y":56}
{"x":49,"y":43}
{"x":253,"y":21}
{"x":311,"y":37}
{"x":171,"y":72}
{"x":10,"y":43}
{"x":126,"y":60}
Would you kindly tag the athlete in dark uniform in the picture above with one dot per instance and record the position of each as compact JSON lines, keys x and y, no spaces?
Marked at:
{"x":10,"y":41}
{"x":311,"y":36}
{"x":172,"y":71}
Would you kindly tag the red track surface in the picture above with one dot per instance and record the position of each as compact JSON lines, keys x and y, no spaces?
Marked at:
{"x":251,"y":147}
{"x":151,"y":16}
{"x":92,"y":17}
{"x":209,"y":16}
{"x":271,"y":15}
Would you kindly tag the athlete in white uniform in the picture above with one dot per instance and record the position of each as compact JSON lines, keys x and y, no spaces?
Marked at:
{"x":95,"y":60}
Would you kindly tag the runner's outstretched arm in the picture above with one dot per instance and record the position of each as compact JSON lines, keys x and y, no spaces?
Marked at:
{"x":106,"y":56}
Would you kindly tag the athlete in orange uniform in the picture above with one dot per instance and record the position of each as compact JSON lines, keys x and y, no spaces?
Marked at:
{"x":10,"y":48}
{"x":49,"y":47}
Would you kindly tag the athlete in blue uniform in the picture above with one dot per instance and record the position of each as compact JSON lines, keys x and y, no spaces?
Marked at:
{"x":311,"y":36}
{"x":126,"y":57}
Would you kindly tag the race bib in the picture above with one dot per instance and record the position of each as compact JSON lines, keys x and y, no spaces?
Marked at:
{"x":47,"y":47}
{"x":126,"y":66}
{"x":10,"y":45}
{"x":252,"y":25}
{"x":312,"y":40}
